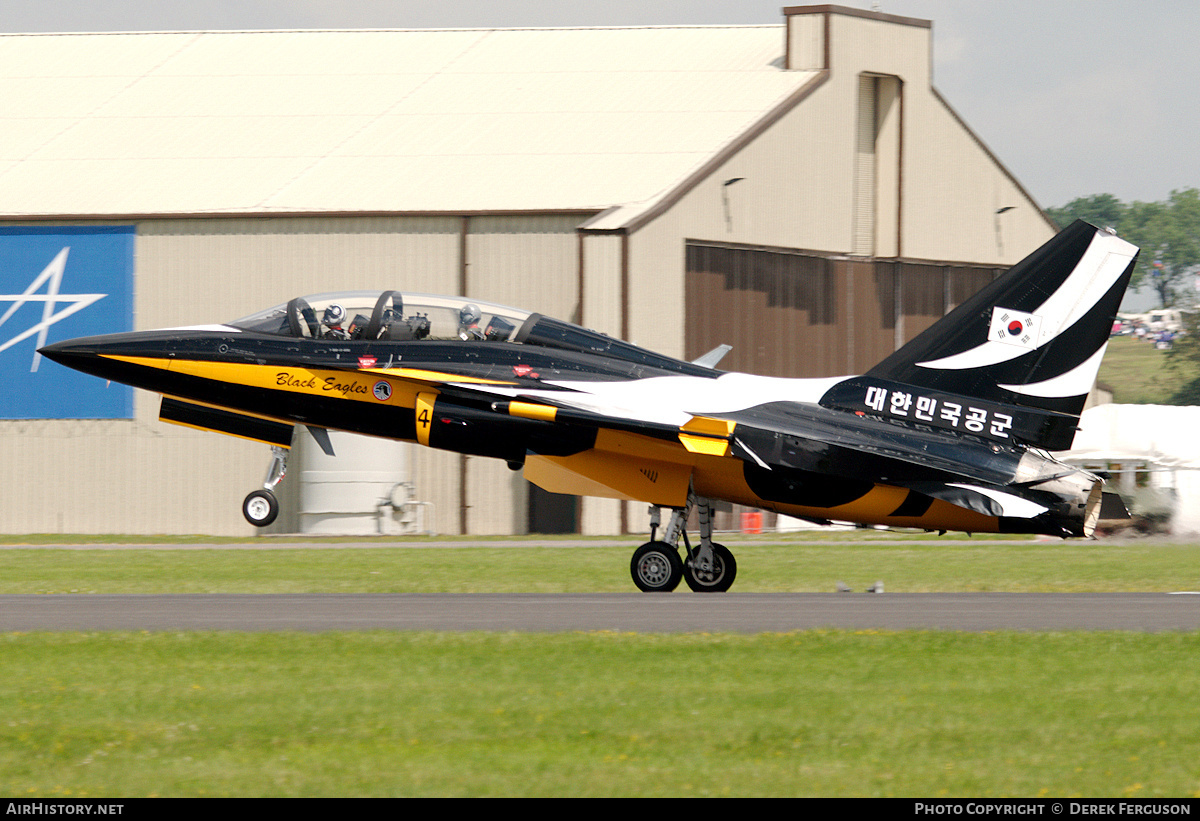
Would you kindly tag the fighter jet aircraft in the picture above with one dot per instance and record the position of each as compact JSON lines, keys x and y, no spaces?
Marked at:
{"x":950,"y":432}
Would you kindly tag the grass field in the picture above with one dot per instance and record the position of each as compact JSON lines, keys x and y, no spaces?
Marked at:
{"x":1139,"y":374}
{"x":819,"y":713}
{"x":786,"y":566}
{"x":814,"y":713}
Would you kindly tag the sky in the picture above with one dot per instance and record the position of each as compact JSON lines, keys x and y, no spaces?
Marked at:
{"x":1074,"y":97}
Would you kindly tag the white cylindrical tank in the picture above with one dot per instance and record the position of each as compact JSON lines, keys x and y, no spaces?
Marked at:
{"x":349,"y":493}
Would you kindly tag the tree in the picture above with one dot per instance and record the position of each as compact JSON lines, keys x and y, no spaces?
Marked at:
{"x":1184,"y":360}
{"x":1101,"y":210}
{"x":1167,"y":232}
{"x":1169,"y":235}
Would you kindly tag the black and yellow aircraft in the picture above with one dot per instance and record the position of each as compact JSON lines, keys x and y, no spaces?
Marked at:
{"x":950,"y":432}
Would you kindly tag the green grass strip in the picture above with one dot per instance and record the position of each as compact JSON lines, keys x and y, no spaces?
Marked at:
{"x":821,"y":713}
{"x":1057,"y":566}
{"x":1139,"y":373}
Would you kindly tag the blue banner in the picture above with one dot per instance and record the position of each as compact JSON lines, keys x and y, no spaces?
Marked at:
{"x":56,"y":284}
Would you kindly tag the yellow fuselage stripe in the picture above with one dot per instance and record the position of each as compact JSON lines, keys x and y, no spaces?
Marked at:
{"x":355,"y":385}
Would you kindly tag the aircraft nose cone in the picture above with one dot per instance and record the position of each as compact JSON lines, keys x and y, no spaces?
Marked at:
{"x":76,"y":357}
{"x":86,"y":354}
{"x":67,"y":353}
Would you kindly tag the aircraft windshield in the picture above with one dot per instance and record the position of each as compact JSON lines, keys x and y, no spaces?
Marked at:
{"x":387,"y":316}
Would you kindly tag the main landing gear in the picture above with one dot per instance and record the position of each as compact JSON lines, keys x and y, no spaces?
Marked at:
{"x":260,"y":506}
{"x":656,"y":566}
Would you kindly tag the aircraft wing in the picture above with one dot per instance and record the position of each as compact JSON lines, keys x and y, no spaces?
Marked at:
{"x":787,"y":436}
{"x":810,"y":437}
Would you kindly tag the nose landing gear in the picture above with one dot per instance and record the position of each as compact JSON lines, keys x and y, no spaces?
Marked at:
{"x":260,"y":506}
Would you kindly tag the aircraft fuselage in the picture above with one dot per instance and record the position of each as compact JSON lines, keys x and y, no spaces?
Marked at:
{"x":465,"y":396}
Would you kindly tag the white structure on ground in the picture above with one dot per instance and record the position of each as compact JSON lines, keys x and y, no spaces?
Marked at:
{"x":1152,"y":453}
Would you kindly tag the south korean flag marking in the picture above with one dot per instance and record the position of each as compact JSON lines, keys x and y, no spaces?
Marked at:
{"x":1015,"y":328}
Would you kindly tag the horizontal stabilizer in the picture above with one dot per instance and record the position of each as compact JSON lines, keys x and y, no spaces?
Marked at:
{"x":710,"y":359}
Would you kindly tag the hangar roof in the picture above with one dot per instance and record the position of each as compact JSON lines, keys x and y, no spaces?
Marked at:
{"x":454,"y":121}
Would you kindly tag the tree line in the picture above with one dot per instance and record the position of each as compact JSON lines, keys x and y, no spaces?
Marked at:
{"x":1168,"y":233}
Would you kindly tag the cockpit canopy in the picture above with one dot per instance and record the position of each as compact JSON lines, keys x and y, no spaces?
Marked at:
{"x":394,"y":316}
{"x":387,"y":316}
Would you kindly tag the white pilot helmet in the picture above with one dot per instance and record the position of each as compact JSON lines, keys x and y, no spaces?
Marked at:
{"x":335,"y":315}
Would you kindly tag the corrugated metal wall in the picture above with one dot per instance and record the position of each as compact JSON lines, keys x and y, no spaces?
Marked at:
{"x":779,"y":311}
{"x":530,"y":263}
{"x":127,"y":476}
{"x":864,"y":168}
{"x":601,"y":264}
{"x":806,"y":43}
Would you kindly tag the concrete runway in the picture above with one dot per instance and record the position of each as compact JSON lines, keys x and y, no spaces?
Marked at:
{"x":624,"y":612}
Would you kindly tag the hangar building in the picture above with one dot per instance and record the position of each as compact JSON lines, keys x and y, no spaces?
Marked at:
{"x":800,"y":191}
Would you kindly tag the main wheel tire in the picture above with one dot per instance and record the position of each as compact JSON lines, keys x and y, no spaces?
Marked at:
{"x":260,"y":508}
{"x":717,"y":580}
{"x":656,"y":568}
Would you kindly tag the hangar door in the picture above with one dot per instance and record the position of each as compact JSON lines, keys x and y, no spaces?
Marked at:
{"x":796,"y":314}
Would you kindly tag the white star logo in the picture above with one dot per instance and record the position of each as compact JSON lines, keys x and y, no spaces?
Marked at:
{"x":51,"y":313}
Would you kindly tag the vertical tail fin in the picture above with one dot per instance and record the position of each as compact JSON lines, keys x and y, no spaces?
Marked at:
{"x":1031,"y":341}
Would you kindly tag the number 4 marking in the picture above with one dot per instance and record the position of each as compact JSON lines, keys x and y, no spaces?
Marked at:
{"x":424,"y":415}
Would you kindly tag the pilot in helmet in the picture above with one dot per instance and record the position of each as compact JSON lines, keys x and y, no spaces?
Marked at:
{"x":332,"y":321}
{"x":468,"y":322}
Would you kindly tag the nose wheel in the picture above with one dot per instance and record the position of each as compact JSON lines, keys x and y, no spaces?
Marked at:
{"x":260,"y":507}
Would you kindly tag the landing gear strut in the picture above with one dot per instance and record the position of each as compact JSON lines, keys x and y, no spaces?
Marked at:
{"x":260,"y":506}
{"x":656,"y":566}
